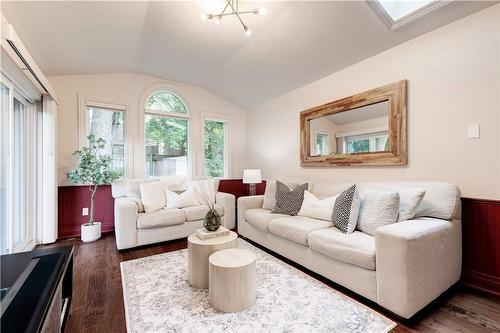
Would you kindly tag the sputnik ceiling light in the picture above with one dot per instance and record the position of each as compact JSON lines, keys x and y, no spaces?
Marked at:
{"x":232,"y":8}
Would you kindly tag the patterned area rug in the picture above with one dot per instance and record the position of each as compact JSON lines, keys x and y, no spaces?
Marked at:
{"x":158,"y":298}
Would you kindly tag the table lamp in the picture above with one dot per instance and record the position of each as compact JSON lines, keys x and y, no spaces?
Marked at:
{"x":252,"y":177}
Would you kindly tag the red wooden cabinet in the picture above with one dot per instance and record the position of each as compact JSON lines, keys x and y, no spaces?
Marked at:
{"x":481,"y":244}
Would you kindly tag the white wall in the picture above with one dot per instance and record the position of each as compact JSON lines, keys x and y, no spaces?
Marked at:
{"x":453,"y":80}
{"x":129,"y":88}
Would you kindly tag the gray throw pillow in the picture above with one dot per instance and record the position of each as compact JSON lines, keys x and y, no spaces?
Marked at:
{"x":288,"y":201}
{"x":346,"y":210}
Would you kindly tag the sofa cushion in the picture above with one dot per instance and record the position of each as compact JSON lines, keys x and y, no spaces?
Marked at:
{"x":296,"y":228}
{"x":260,"y":217}
{"x":160,"y":218}
{"x":441,"y":200}
{"x":196,"y":213}
{"x":356,"y":248}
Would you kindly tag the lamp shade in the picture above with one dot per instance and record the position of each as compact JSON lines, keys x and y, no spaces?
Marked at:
{"x":252,"y":176}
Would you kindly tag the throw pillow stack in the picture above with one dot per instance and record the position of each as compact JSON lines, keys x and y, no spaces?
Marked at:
{"x":166,"y":193}
{"x":365,"y":209}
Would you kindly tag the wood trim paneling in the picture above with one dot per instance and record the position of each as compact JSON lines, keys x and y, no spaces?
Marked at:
{"x":395,"y":93}
{"x":481,"y":244}
{"x":71,"y":201}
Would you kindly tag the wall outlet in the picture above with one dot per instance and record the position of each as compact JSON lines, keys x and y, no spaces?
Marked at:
{"x":85,"y":211}
{"x":473,"y":131}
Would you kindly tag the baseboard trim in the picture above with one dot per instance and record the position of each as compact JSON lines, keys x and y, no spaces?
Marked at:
{"x":484,"y":282}
{"x":76,"y":231}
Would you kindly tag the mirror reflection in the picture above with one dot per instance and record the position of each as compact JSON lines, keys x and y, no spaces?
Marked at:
{"x":361,"y":130}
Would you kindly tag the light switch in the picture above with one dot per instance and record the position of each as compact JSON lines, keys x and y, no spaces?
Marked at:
{"x":473,"y":131}
{"x":85,"y":211}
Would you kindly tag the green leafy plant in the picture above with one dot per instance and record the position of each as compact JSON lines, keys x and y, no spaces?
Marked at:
{"x":94,"y":169}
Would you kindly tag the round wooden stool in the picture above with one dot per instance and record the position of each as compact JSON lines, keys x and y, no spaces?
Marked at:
{"x":232,"y":280}
{"x":198,"y":252}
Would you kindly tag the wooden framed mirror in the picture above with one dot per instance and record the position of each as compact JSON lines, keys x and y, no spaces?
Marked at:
{"x":363,"y":129}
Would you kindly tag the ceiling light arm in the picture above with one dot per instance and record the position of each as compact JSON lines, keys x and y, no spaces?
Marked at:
{"x":237,"y":14}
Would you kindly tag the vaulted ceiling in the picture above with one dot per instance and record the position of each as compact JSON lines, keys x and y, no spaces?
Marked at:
{"x":293,"y":44}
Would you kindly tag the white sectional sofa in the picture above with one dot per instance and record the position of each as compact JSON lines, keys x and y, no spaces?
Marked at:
{"x":403,"y":267}
{"x":134,"y":227}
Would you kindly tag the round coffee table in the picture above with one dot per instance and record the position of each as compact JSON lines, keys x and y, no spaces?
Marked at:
{"x":198,"y":252}
{"x":232,"y":280}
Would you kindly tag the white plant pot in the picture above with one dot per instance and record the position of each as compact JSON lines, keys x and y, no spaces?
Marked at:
{"x":90,"y":232}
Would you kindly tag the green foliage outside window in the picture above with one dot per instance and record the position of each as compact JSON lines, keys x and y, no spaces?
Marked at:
{"x":358,"y":146}
{"x":170,"y":132}
{"x":214,"y":148}
{"x":167,"y":102}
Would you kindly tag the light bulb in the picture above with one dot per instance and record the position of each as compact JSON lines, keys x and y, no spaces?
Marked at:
{"x":248,"y":32}
{"x":204,"y":17}
{"x":262,"y":10}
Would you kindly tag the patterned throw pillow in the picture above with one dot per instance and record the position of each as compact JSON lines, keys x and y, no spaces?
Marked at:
{"x":288,"y":201}
{"x":378,"y":208}
{"x":346,"y":210}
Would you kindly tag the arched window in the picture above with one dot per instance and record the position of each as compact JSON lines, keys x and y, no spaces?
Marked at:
{"x":165,"y":101}
{"x":166,"y":132}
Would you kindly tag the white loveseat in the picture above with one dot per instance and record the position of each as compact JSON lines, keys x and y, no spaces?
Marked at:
{"x":134,"y":227}
{"x":403,"y":267}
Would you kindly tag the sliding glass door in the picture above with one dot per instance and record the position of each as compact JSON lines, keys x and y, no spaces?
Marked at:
{"x":4,"y":105}
{"x":17,"y":172}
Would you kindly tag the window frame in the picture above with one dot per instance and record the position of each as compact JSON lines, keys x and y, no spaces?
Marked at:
{"x":392,"y":24}
{"x":112,"y":104}
{"x":175,"y":115}
{"x":207,"y":116}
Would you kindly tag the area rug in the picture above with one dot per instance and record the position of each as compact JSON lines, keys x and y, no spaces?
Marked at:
{"x":158,"y":298}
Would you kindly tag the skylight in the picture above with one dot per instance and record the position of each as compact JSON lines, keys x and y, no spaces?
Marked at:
{"x":396,"y":13}
{"x":398,"y":9}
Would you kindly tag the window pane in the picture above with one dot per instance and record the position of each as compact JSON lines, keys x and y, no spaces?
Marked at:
{"x":166,"y":146}
{"x":108,"y":125}
{"x":20,"y":174}
{"x":382,"y":143}
{"x":322,"y":146}
{"x":398,"y":9}
{"x":358,"y":146}
{"x":166,"y":102}
{"x":214,"y":148}
{"x":4,"y":105}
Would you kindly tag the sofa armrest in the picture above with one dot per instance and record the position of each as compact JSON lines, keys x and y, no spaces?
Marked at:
{"x":416,"y":261}
{"x":126,"y":211}
{"x":245,"y":203}
{"x":228,"y":202}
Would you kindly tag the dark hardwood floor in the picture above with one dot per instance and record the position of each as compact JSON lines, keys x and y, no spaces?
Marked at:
{"x":97,"y":304}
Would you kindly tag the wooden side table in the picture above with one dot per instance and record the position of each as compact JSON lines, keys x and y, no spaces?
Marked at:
{"x":198,"y":252}
{"x":232,"y":280}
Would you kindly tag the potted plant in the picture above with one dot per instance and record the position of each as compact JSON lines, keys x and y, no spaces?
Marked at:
{"x":94,"y":169}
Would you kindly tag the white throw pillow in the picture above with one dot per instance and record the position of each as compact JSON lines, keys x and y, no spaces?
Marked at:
{"x":378,"y":208}
{"x":153,"y":195}
{"x":409,"y":199}
{"x":270,"y":193}
{"x":315,"y":208}
{"x":133,"y":186}
{"x":185,"y":199}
